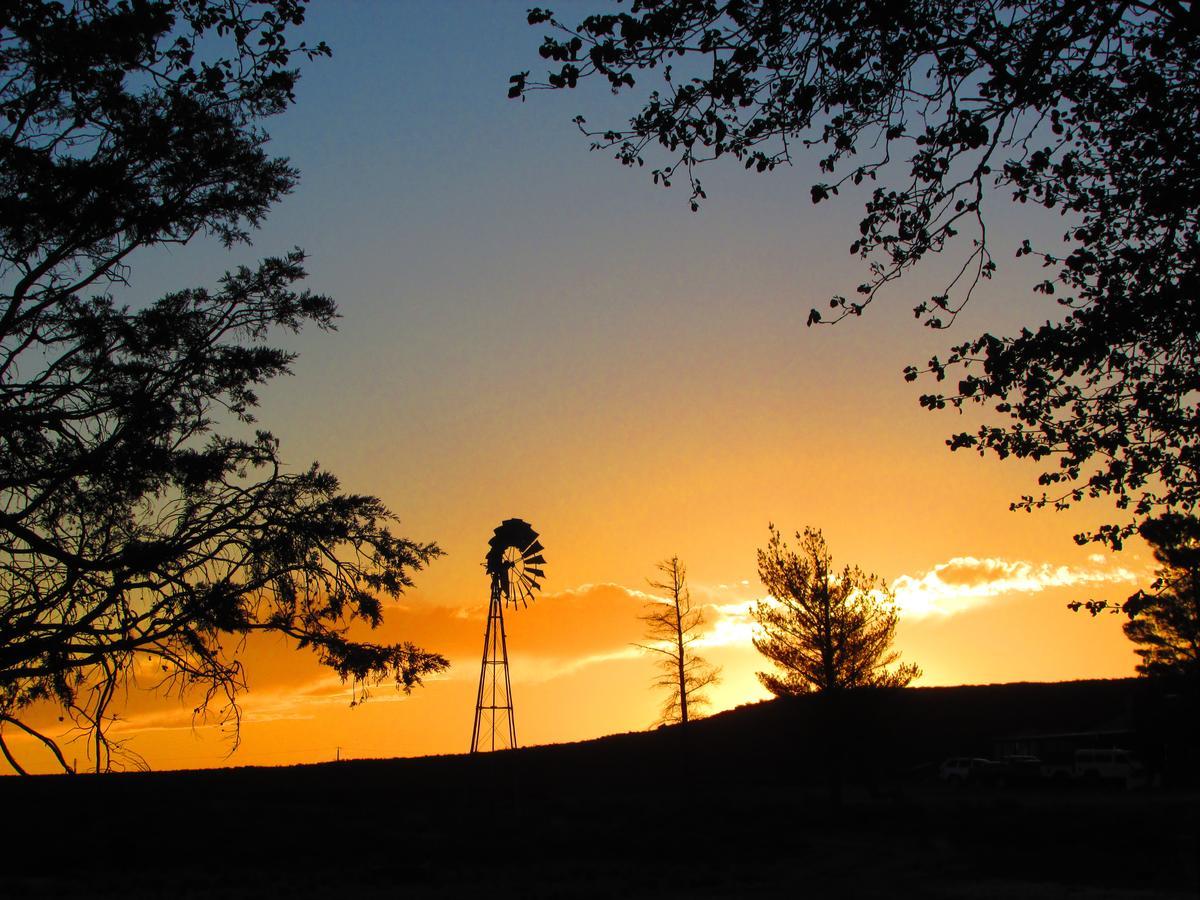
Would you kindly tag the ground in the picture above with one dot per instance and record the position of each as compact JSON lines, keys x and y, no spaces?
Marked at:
{"x":741,"y":806}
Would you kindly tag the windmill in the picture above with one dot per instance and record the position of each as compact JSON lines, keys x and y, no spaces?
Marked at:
{"x":513,"y":564}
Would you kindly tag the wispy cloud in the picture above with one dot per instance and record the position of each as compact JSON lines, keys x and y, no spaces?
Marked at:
{"x":958,"y":585}
{"x":967,"y":582}
{"x":537,"y":670}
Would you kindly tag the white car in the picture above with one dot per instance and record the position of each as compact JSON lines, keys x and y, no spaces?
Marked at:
{"x":1109,"y":765}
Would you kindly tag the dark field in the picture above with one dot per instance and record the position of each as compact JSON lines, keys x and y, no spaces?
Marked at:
{"x":745,"y":807}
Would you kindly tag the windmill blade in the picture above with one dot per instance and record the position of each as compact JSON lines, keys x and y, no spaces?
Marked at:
{"x":538,"y":560}
{"x":535,"y":547}
{"x":536,"y":573}
{"x":520,"y":594}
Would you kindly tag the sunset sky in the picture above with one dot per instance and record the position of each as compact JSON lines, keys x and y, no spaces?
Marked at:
{"x":531,"y":330}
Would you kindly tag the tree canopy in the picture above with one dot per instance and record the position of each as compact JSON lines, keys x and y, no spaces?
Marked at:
{"x":145,"y":525}
{"x":1164,"y":621}
{"x":824,"y":630}
{"x":1086,"y":109}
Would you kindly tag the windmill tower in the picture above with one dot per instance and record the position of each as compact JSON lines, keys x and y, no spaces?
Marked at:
{"x":513,"y":565}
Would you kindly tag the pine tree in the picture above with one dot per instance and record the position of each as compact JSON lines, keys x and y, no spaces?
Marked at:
{"x":824,"y":631}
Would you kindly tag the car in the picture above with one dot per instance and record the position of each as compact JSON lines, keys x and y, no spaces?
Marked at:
{"x":1109,"y":765}
{"x":968,"y":770}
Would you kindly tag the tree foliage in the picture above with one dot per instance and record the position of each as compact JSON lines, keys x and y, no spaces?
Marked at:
{"x":1165,"y":621}
{"x":136,"y":538}
{"x":824,"y":630}
{"x":672,"y":627}
{"x":1086,"y":109}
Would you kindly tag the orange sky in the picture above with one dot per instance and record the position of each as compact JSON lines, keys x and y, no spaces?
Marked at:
{"x":529,"y":330}
{"x":576,"y":674}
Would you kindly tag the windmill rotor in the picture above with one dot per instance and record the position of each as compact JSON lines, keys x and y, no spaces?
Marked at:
{"x":514,"y":561}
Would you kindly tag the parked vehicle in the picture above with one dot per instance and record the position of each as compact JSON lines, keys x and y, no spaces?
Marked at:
{"x":1111,"y":765}
{"x":969,"y":770}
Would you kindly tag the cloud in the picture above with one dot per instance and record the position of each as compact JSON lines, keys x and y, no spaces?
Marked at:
{"x":542,"y":670}
{"x":557,"y":634}
{"x":967,"y":582}
{"x":566,"y":631}
{"x":727,"y":624}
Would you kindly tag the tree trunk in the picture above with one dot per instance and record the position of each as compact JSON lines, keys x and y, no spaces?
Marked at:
{"x":683,"y":712}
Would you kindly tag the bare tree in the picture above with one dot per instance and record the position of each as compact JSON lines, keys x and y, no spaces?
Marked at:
{"x":672,"y":626}
{"x":824,"y":630}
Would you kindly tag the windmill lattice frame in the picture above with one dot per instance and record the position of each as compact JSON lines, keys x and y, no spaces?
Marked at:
{"x":514,"y":565}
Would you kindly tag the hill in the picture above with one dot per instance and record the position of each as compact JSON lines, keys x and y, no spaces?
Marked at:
{"x":740,"y":806}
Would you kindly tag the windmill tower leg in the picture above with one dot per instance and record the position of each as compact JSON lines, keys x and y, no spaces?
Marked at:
{"x":494,"y":728}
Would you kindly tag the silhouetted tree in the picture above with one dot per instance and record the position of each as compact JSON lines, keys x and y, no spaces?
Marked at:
{"x":133,"y":535}
{"x":1165,"y":621}
{"x":824,"y":630}
{"x":1086,"y":108}
{"x":673,"y":626}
